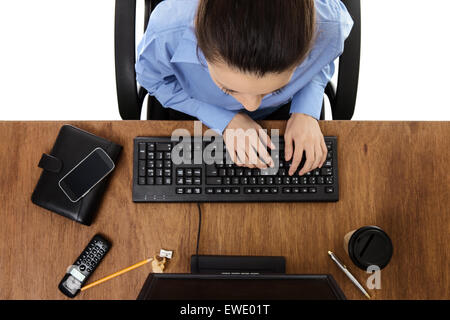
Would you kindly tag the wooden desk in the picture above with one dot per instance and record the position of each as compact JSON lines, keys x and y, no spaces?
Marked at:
{"x":392,"y":174}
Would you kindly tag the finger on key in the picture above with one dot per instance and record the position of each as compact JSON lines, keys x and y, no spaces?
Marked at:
{"x":324,"y":154}
{"x":317,"y":155}
{"x":309,"y":160}
{"x":264,"y":154}
{"x":288,"y":148}
{"x":297,"y":159}
{"x":266,"y":139}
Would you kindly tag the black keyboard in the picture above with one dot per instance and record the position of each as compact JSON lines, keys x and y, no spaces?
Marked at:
{"x":201,"y":171}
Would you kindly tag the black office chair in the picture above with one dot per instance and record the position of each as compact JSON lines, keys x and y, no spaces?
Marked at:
{"x":131,"y":96}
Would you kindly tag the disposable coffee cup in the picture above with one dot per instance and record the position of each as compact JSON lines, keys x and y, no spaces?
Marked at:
{"x":368,"y":246}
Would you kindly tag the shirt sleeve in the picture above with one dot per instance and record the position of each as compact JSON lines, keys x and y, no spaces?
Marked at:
{"x":155,"y":73}
{"x":310,"y":98}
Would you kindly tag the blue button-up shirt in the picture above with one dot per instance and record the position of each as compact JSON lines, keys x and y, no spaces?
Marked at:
{"x":169,"y":68}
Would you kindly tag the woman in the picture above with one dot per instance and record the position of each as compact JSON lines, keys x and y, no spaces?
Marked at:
{"x":230,"y":62}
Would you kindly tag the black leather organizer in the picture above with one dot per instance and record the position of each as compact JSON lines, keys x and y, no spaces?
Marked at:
{"x":71,"y":146}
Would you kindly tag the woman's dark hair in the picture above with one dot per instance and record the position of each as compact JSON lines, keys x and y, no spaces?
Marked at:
{"x":256,"y":36}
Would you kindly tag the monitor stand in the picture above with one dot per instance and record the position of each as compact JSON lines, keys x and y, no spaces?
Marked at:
{"x":237,"y":265}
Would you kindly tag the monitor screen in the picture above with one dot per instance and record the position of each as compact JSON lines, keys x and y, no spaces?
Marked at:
{"x":240,"y":287}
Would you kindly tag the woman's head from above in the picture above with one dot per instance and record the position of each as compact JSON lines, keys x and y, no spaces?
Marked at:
{"x":252,"y":47}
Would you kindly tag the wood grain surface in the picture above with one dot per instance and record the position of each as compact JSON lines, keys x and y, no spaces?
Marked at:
{"x":391,"y":174}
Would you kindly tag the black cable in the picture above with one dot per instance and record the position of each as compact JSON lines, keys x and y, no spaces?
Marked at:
{"x":199,"y":227}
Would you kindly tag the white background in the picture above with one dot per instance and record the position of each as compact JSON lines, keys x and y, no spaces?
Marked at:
{"x":57,"y":60}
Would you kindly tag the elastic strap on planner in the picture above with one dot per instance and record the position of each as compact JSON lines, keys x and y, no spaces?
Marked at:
{"x":50,"y":163}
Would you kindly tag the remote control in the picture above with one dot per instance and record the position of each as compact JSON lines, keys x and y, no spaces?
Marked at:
{"x":78,"y":273}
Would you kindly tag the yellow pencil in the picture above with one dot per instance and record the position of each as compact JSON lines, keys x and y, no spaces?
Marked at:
{"x":116,"y":274}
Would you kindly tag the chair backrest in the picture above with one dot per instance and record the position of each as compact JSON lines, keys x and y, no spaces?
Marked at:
{"x":344,"y":102}
{"x":130,"y":96}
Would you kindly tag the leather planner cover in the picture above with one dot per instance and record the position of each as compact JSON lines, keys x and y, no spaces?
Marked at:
{"x":71,"y":146}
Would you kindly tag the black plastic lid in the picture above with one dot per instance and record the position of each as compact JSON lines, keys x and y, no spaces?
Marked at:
{"x":370,"y":246}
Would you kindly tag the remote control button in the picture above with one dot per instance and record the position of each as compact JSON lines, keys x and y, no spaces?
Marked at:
{"x":82,"y":267}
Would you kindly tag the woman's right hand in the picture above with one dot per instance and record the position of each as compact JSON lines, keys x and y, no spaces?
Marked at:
{"x":247,"y":142}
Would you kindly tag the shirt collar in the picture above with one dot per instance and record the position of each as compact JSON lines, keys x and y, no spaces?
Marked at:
{"x":186,"y":51}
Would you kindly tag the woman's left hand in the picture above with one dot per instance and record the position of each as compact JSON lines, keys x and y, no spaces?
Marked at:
{"x":303,"y":133}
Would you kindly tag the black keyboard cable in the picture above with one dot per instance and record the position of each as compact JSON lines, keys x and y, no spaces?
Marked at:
{"x":198,"y":232}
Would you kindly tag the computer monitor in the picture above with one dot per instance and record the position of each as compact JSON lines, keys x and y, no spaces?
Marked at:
{"x":162,"y":286}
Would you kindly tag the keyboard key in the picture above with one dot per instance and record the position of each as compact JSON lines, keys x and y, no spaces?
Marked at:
{"x":218,"y":190}
{"x":214,"y":180}
{"x":295,"y":190}
{"x":159,"y":180}
{"x":236,"y":190}
{"x":248,"y":190}
{"x":197,"y":172}
{"x":303,"y":190}
{"x":197,"y":190}
{"x":150,"y":146}
{"x":188,"y":190}
{"x":160,"y":146}
{"x":150,"y":180}
{"x":209,"y":190}
{"x":329,"y":180}
{"x":179,"y":190}
{"x":142,"y":150}
{"x":326,"y":171}
{"x":167,"y":180}
{"x":227,"y":190}
{"x":141,"y":180}
{"x":180,"y":172}
{"x":244,"y":180}
{"x":273,"y":190}
{"x":312,"y":190}
{"x":211,"y":171}
{"x":329,"y":189}
{"x":287,"y":190}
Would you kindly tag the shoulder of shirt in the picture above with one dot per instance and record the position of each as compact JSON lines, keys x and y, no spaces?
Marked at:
{"x":172,"y":16}
{"x":332,"y":12}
